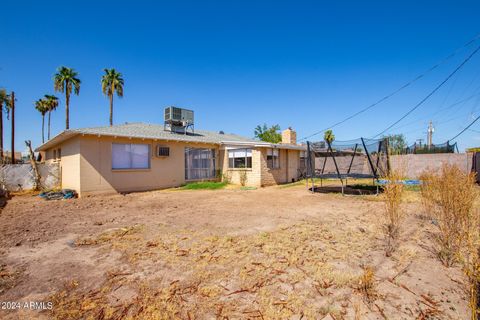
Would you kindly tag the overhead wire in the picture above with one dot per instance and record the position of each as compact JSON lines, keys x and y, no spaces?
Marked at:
{"x":386,"y":97}
{"x":430,"y":93}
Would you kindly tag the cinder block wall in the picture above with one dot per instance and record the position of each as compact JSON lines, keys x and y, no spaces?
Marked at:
{"x":359,"y":165}
{"x":415,"y":164}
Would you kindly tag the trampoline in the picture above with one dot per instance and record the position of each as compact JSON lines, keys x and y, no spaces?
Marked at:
{"x":343,"y":160}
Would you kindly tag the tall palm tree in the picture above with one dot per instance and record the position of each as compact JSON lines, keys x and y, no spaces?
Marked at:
{"x":52,"y":104}
{"x":4,"y":103}
{"x":112,"y":82}
{"x":41,"y":106}
{"x":65,"y":80}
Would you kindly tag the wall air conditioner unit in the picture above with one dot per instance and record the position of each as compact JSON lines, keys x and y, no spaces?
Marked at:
{"x":162,"y":151}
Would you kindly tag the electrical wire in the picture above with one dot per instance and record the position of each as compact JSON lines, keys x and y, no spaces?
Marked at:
{"x":420,"y":76}
{"x":430,"y":94}
{"x":465,"y":129}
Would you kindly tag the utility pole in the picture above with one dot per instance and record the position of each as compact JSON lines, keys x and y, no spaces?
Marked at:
{"x":430,"y":134}
{"x":420,"y":142}
{"x":12,"y":106}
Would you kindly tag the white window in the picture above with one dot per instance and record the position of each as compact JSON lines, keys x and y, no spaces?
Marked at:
{"x":130,"y":156}
{"x":273,"y":160}
{"x":240,"y":158}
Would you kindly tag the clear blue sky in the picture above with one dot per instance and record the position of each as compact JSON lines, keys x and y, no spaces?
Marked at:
{"x":305,"y":64}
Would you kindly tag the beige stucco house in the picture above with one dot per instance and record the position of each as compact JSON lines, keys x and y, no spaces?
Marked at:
{"x":138,"y":157}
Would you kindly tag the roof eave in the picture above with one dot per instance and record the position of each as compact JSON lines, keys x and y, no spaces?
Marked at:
{"x":59,"y":138}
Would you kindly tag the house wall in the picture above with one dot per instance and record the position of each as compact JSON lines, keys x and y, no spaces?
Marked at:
{"x":289,"y":165}
{"x":86,"y":166}
{"x":260,"y":175}
{"x":253,"y":175}
{"x":70,"y":163}
{"x":94,"y":172}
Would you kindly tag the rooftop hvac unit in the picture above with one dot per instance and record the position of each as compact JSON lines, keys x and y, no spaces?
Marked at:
{"x":178,"y":120}
{"x":178,"y":116}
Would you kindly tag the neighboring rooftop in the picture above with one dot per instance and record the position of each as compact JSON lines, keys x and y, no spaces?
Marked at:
{"x":150,"y":131}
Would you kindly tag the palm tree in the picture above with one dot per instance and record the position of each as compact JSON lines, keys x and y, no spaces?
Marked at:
{"x":64,"y":81}
{"x":112,"y":82}
{"x":329,"y":137}
{"x":4,"y":103}
{"x":41,"y":106}
{"x":52,"y":104}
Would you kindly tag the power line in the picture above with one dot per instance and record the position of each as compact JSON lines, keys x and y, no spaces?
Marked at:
{"x":465,"y":129}
{"x":432,"y":116}
{"x":397,"y":90}
{"x":431,"y":92}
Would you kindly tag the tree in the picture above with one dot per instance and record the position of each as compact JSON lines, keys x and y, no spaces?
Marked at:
{"x":396,"y":143}
{"x":65,"y":80}
{"x":268,"y":134}
{"x":4,"y":103}
{"x":52,"y":104}
{"x":41,"y":106}
{"x":328,"y":136}
{"x":112,"y":82}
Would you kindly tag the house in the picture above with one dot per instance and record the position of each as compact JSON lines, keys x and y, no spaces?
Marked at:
{"x":139,"y":157}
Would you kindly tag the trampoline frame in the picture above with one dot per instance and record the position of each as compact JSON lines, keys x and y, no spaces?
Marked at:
{"x":311,"y":172}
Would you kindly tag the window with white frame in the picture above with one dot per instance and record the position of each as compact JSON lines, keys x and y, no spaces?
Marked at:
{"x":240,"y":158}
{"x":273,"y":159}
{"x":130,"y":156}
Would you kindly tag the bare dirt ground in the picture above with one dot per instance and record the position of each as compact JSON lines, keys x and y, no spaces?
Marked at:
{"x":272,"y":253}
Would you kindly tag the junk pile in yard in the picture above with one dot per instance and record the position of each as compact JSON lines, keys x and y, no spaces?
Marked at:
{"x":59,"y":195}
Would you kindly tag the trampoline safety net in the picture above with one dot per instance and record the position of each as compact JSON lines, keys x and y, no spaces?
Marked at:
{"x":359,"y":158}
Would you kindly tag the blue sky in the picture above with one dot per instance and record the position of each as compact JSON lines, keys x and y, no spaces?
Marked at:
{"x":305,"y":64}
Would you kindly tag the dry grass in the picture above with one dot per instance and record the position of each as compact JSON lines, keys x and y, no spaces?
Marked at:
{"x":125,"y":233}
{"x":366,"y":284}
{"x":392,"y":195}
{"x":271,"y":275}
{"x":449,"y":197}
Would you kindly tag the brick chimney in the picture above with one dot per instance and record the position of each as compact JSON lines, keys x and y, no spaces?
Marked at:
{"x":289,"y":136}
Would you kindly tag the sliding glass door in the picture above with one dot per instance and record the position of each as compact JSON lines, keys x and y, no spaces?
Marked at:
{"x":199,"y":163}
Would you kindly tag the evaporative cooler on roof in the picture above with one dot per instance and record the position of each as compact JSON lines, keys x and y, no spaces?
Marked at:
{"x":178,"y":120}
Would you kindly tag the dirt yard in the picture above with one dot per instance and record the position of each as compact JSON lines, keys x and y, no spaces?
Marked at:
{"x":272,"y":253}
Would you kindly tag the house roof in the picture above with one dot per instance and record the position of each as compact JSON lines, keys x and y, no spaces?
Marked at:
{"x":155,"y":131}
